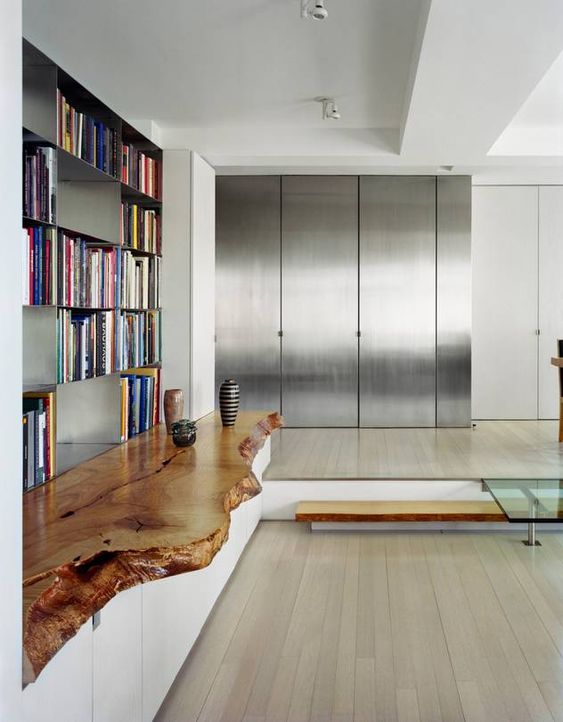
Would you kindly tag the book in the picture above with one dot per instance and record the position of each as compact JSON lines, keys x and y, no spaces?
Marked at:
{"x":85,"y":346}
{"x":39,"y":268}
{"x":139,"y":281}
{"x":139,"y":338}
{"x":39,"y":437}
{"x":140,"y":401}
{"x":39,"y":183}
{"x":25,"y":450}
{"x":140,"y":228}
{"x":87,"y":273}
{"x":141,"y":171}
{"x":87,"y":138}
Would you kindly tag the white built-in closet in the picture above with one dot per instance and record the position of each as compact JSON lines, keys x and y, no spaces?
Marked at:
{"x":517,"y":247}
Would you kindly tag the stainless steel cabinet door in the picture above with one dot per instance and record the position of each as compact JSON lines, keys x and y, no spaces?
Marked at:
{"x":320,"y":300}
{"x":453,"y":312}
{"x":397,"y":301}
{"x":248,"y":288}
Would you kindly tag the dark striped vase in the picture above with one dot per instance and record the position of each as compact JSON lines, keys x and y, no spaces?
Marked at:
{"x":229,"y":395}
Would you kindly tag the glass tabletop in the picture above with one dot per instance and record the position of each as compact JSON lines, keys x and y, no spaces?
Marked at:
{"x":528,"y":500}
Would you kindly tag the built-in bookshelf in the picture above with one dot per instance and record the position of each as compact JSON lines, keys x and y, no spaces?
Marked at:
{"x":91,"y":257}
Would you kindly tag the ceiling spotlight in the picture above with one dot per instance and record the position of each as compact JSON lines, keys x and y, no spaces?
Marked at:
{"x":314,"y":10}
{"x":330,"y":109}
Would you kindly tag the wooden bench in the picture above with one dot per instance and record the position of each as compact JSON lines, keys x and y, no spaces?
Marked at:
{"x":399,"y":511}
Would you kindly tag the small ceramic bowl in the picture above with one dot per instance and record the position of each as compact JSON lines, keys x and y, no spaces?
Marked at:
{"x":183,"y":432}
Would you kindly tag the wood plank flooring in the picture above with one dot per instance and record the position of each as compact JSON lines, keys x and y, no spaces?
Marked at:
{"x":496,"y":449}
{"x":351,"y":627}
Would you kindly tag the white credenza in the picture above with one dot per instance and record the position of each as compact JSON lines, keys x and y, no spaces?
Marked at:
{"x":517,"y":257}
{"x":119,"y":667}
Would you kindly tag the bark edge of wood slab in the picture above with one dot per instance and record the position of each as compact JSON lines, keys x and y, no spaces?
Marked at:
{"x":79,"y":589}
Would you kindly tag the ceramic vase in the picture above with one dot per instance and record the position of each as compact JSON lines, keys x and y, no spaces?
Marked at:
{"x":229,"y":395}
{"x":184,"y":432}
{"x":173,"y":407}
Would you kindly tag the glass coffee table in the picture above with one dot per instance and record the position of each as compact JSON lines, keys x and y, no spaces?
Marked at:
{"x":529,"y":501}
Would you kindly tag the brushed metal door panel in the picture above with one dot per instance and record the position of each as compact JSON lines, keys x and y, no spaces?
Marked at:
{"x":248,"y":288}
{"x":453,"y":312}
{"x":320,"y":300}
{"x":397,"y":301}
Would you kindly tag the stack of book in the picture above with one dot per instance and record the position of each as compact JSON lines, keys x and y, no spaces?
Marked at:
{"x":141,"y":171}
{"x":39,"y":441}
{"x":87,"y":274}
{"x":139,"y":281}
{"x":140,"y":228}
{"x":83,"y":136}
{"x":138,"y":338}
{"x":140,"y":401}
{"x":39,"y":183}
{"x":85,"y":344}
{"x":38,"y":267}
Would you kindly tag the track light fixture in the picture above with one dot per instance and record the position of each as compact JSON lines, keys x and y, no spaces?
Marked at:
{"x":314,"y":10}
{"x":330,"y":109}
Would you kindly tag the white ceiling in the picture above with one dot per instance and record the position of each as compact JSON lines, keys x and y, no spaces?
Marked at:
{"x":210,"y":63}
{"x":420,"y":83}
{"x":544,"y":106}
{"x":537,"y":128}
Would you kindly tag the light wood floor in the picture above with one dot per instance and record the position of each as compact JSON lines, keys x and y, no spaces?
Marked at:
{"x":351,"y":627}
{"x":497,"y":449}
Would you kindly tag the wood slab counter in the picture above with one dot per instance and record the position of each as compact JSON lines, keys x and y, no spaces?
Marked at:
{"x":142,"y":511}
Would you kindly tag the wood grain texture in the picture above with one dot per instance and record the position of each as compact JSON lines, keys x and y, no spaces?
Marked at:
{"x":351,"y":627}
{"x":143,"y":511}
{"x":385,"y":511}
{"x":494,"y":449}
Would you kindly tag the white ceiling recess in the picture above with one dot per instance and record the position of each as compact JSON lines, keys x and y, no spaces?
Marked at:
{"x":234,"y":63}
{"x":427,"y":84}
{"x":537,"y":128}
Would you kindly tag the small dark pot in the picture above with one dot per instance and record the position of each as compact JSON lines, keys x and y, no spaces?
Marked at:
{"x":183,"y":432}
{"x":229,"y":395}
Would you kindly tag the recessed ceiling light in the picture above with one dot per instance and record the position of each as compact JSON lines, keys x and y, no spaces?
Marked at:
{"x":314,"y":10}
{"x":330,"y":109}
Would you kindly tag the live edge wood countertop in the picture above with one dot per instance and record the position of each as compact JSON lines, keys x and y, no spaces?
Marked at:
{"x":142,"y":511}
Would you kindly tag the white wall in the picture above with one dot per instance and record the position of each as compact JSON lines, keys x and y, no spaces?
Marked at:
{"x":176,"y":272}
{"x":10,"y":359}
{"x":188,"y":280}
{"x":202,"y":399}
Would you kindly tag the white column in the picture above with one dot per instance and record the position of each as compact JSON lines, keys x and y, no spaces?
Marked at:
{"x":188,"y":280}
{"x":202,"y":398}
{"x":10,"y":359}
{"x":176,"y":272}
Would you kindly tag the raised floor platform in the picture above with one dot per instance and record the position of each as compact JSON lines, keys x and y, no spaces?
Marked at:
{"x":494,"y":449}
{"x":390,"y":511}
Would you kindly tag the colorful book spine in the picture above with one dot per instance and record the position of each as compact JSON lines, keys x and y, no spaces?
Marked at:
{"x":87,"y":274}
{"x":140,"y":228}
{"x":138,"y":339}
{"x":38,"y":265}
{"x":87,"y":138}
{"x":39,"y":183}
{"x":85,"y":344}
{"x":140,"y":401}
{"x":39,"y":438}
{"x":139,"y":281}
{"x":141,"y":171}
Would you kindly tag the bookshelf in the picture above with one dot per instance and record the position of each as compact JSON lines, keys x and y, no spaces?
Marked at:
{"x":91,"y":255}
